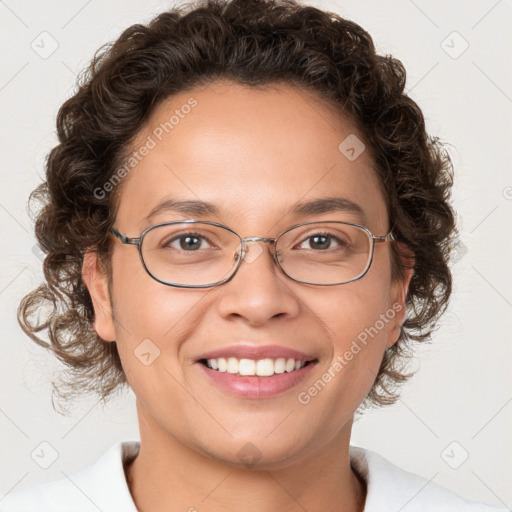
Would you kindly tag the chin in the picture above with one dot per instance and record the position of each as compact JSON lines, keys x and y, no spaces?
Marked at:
{"x":256,"y":452}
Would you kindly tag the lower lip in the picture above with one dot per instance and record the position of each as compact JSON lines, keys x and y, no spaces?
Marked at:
{"x":257,"y":387}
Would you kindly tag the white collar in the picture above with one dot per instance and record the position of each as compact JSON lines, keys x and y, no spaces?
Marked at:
{"x":103,"y":486}
{"x":387,"y":485}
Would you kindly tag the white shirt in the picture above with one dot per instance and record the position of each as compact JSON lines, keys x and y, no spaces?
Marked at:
{"x":102,"y":487}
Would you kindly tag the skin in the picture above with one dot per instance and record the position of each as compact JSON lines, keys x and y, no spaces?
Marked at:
{"x":254,"y":153}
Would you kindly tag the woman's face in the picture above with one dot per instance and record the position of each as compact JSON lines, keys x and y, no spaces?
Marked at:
{"x":254,"y":155}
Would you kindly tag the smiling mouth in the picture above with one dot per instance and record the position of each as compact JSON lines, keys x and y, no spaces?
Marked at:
{"x":257,"y":368}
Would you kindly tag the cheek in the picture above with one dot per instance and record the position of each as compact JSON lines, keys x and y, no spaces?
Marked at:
{"x":153,"y":322}
{"x":359,"y":318}
{"x":142,"y":305}
{"x":359,"y":331}
{"x":356,"y":334}
{"x":145,"y":309}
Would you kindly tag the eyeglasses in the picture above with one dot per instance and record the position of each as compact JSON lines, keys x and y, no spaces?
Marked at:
{"x":201,"y":254}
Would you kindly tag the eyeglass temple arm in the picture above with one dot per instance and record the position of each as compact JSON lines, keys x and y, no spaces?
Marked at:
{"x":123,"y":238}
{"x":389,"y":237}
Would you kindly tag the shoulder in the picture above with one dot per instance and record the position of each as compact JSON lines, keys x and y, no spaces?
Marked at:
{"x":390,"y":488}
{"x":101,"y":486}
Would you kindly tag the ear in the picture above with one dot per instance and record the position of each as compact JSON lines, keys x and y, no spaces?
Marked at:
{"x":400,"y":288}
{"x":96,"y":281}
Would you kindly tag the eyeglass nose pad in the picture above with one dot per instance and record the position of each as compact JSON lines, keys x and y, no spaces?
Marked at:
{"x":251,"y":255}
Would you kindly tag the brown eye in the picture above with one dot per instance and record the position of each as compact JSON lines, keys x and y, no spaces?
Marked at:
{"x":322,"y":241}
{"x":188,"y":242}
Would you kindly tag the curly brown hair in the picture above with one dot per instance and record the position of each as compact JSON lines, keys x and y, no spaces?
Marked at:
{"x":251,"y":42}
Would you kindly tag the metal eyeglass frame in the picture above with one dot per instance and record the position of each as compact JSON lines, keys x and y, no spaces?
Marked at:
{"x":139,"y":240}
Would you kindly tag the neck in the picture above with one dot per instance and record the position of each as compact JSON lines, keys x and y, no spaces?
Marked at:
{"x":169,"y":476}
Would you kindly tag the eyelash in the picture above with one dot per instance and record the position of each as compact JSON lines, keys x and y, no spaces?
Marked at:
{"x":327,"y":235}
{"x":184,"y":235}
{"x":204,"y":238}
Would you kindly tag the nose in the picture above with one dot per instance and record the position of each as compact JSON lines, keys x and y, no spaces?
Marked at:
{"x":259,"y":291}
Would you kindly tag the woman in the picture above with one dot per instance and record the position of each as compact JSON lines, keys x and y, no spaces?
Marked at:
{"x":242,"y":208}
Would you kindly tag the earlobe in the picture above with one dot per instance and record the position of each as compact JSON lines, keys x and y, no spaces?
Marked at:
{"x":401,"y":288}
{"x":96,"y":282}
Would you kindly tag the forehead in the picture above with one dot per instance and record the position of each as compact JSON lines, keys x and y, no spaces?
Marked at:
{"x":252,"y":152}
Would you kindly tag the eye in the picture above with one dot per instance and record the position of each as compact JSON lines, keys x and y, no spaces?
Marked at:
{"x":323,"y":241}
{"x":190,"y":242}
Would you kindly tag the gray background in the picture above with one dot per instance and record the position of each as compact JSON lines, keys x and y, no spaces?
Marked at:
{"x":459,"y":403}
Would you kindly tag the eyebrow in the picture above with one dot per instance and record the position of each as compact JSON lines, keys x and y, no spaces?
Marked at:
{"x":193,"y":208}
{"x":198,"y":208}
{"x":327,"y":205}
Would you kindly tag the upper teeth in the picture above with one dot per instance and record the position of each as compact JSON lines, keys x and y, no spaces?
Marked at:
{"x":262,"y":367}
